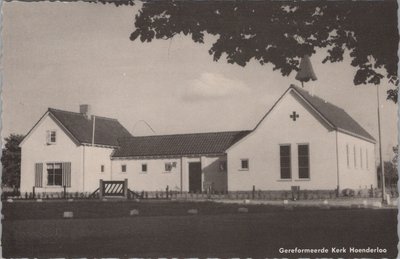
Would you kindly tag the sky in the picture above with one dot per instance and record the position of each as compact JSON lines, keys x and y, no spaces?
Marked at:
{"x":61,"y":55}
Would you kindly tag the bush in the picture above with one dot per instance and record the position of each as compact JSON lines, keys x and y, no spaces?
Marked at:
{"x":348,"y":192}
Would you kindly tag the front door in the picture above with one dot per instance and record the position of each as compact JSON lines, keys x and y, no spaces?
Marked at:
{"x":195,"y":177}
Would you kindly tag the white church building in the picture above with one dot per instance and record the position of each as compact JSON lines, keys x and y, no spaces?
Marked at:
{"x":301,"y":141}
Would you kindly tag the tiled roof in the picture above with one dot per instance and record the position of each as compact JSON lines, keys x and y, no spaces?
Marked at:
{"x":335,"y":115}
{"x":182,"y":144}
{"x":107,"y":130}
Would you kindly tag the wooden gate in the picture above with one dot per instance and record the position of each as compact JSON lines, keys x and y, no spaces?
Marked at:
{"x":114,"y":188}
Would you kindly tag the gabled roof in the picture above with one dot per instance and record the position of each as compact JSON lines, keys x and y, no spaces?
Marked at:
{"x":107,"y":131}
{"x":181,"y":144}
{"x":80,"y":128}
{"x":335,"y":116}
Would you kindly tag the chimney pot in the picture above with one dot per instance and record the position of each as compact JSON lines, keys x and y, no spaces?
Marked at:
{"x":85,"y":110}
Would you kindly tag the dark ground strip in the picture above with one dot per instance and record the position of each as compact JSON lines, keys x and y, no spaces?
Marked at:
{"x":257,"y":234}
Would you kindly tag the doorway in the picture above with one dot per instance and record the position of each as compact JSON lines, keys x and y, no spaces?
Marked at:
{"x":195,"y":177}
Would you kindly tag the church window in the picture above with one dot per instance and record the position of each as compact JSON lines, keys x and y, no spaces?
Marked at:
{"x":304,"y":161}
{"x":355,"y":156}
{"x":285,"y":162}
{"x":348,"y":155}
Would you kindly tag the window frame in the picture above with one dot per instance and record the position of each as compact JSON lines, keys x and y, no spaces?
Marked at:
{"x":59,"y":174}
{"x":348,"y":155}
{"x":102,"y":168}
{"x":168,"y":167}
{"x":144,"y":166}
{"x":355,"y":156}
{"x":124,"y":168}
{"x":308,"y":161}
{"x":290,"y":162}
{"x":50,"y":135}
{"x":246,"y":160}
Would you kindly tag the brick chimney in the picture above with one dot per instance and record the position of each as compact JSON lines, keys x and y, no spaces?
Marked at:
{"x":85,"y":110}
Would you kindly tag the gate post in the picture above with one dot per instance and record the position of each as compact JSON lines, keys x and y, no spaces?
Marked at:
{"x":126,"y":188}
{"x":101,"y":190}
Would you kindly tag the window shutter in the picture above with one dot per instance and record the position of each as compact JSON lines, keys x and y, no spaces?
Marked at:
{"x":39,"y":175}
{"x":66,"y":174}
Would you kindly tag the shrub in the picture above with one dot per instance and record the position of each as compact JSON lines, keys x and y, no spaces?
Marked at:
{"x":348,"y":192}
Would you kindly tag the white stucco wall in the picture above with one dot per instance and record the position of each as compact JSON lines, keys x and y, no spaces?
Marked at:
{"x":35,"y":149}
{"x":360,"y":173}
{"x":262,"y":148}
{"x":157,"y":179}
{"x":94,"y":157}
{"x":212,"y":173}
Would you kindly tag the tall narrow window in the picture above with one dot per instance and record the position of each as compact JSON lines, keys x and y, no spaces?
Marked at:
{"x":361,"y":158}
{"x":285,"y":162}
{"x":304,"y":161}
{"x":102,"y":168}
{"x":366,"y":159}
{"x":123,"y":168}
{"x":355,"y":156}
{"x":347,"y":155}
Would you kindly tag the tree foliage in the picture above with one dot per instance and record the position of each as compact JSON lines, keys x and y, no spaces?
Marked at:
{"x":11,"y":161}
{"x":391,"y":169}
{"x":281,"y":32}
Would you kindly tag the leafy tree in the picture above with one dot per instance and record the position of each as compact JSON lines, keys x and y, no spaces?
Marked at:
{"x":281,"y":32}
{"x":11,"y":161}
{"x":391,"y":172}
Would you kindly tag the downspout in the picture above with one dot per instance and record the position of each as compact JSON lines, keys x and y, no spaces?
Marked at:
{"x":181,"y":174}
{"x":94,"y":126}
{"x":83,"y":169}
{"x":337,"y":163}
{"x":111,"y":167}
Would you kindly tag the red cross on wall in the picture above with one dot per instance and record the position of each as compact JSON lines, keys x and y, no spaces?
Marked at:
{"x":294,"y":116}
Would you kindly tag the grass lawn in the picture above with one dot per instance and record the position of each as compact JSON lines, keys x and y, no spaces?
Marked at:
{"x":165,"y":229}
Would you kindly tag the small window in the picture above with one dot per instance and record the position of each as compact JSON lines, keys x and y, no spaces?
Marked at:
{"x":361,"y":158}
{"x":244,"y":164}
{"x":123,"y":168}
{"x":144,"y":168}
{"x":51,"y":137}
{"x":348,"y":155}
{"x":222,"y":166}
{"x":102,"y":168}
{"x":168,"y":167}
{"x":366,"y":159}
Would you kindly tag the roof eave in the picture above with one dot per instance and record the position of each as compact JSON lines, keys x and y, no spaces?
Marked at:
{"x":165,"y":156}
{"x":373,"y":141}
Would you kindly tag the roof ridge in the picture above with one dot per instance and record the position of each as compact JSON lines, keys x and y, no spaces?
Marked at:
{"x":313,"y":96}
{"x":188,"y":134}
{"x":78,"y":113}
